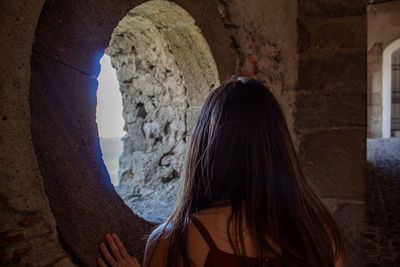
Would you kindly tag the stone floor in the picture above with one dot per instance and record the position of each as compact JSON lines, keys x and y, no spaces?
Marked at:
{"x":383,"y":203}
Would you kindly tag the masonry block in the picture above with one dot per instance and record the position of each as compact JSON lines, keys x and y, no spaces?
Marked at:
{"x":334,"y":161}
{"x":330,"y":109}
{"x":334,"y":33}
{"x":335,"y":71}
{"x":350,"y":217}
{"x":331,"y":8}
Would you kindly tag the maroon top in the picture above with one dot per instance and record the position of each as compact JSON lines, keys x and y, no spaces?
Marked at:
{"x":219,"y":258}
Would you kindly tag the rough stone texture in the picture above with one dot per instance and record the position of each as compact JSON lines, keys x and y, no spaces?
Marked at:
{"x":350,"y":216}
{"x":79,"y":189}
{"x":328,"y":67}
{"x":326,"y":156}
{"x":337,"y":108}
{"x":333,"y":8}
{"x":383,"y":198}
{"x":264,"y":39}
{"x":70,"y":39}
{"x":383,"y":23}
{"x":375,"y":91}
{"x":383,"y":29}
{"x":27,"y":228}
{"x":330,"y":117}
{"x":165,"y":70}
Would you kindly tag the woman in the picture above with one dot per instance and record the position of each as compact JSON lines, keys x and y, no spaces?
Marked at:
{"x":244,"y":200}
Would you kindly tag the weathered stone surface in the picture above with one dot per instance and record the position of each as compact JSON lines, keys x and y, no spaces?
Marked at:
{"x":78,"y":33}
{"x":374,"y":99}
{"x":383,"y":29}
{"x":331,"y":8}
{"x":333,"y":34}
{"x":374,"y":121}
{"x":79,"y":190}
{"x":166,"y":70}
{"x":335,"y":71}
{"x":383,"y":23}
{"x":382,"y":199}
{"x":374,"y":77}
{"x":329,"y":108}
{"x":350,"y":218}
{"x":74,"y":34}
{"x":374,"y":57}
{"x":27,"y":227}
{"x":264,"y":41}
{"x":334,"y":161}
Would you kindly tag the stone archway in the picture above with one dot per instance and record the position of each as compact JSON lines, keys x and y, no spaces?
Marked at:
{"x":387,"y":87}
{"x":70,"y":37}
{"x":165,"y":70}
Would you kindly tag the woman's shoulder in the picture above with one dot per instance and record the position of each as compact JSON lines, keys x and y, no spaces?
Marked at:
{"x":157,"y":246}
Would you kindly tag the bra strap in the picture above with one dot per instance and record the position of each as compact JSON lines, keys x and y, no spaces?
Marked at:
{"x":204,"y":233}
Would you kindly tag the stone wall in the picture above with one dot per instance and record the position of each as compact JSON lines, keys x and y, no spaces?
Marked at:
{"x":383,"y":29}
{"x":264,"y":41}
{"x":52,"y":141}
{"x":375,"y":91}
{"x":383,"y":23}
{"x":28,"y":232}
{"x":330,"y":118}
{"x":70,"y":39}
{"x":166,"y":70}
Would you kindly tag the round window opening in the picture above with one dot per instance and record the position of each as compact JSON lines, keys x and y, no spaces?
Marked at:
{"x":165,"y":70}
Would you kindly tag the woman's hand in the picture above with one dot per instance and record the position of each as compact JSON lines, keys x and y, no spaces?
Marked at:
{"x":119,"y":256}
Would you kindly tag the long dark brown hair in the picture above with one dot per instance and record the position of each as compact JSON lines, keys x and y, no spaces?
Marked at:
{"x":241,"y":154}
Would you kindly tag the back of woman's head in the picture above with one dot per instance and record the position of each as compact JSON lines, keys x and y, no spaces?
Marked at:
{"x":241,"y":154}
{"x":237,"y":145}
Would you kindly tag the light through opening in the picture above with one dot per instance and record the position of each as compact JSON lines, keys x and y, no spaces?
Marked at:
{"x":109,"y":117}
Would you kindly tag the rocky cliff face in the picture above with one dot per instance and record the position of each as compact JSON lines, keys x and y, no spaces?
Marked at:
{"x":159,"y":104}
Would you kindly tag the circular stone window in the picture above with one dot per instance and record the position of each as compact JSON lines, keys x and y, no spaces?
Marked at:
{"x":165,"y":71}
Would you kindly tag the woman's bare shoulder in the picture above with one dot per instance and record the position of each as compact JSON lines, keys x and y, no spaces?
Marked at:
{"x":156,"y":252}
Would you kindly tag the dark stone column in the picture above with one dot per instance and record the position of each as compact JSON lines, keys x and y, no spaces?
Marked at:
{"x":330,"y":118}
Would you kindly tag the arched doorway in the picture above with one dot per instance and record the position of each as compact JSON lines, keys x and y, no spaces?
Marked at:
{"x":390,"y":90}
{"x":395,"y":110}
